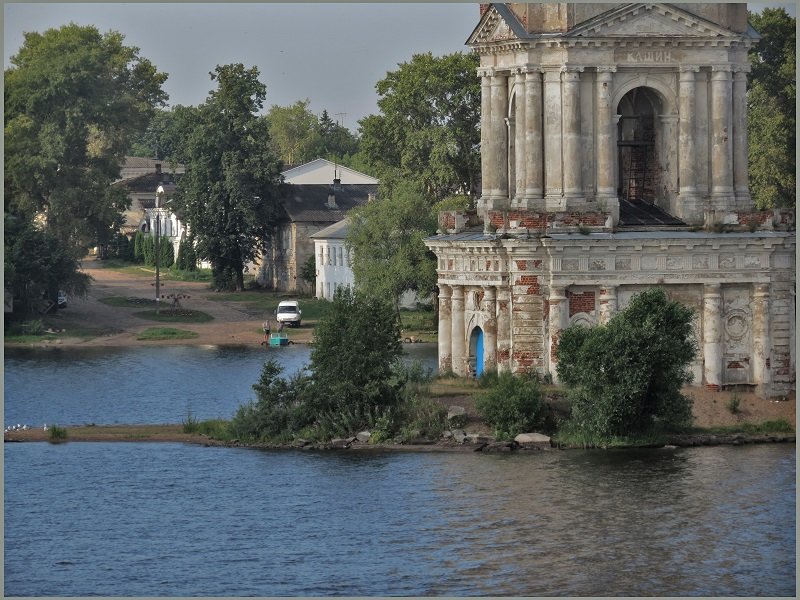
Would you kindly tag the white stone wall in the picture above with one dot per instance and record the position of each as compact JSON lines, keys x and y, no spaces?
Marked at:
{"x":333,"y":267}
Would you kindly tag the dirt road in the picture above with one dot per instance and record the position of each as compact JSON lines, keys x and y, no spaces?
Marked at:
{"x":232,"y":323}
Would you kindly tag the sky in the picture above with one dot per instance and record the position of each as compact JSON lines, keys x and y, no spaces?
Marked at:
{"x":331,"y":53}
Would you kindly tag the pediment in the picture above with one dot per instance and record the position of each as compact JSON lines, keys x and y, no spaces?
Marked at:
{"x":498,"y":24}
{"x":649,"y":20}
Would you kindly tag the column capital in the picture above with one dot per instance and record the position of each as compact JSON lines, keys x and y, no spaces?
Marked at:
{"x":687,"y":69}
{"x":572,"y":69}
{"x":552,"y":74}
{"x":761,"y":290}
{"x":607,"y":69}
{"x":557,"y":292}
{"x":712,"y":289}
{"x":721,"y":70}
{"x":486,"y":71}
{"x":489,"y":290}
{"x":741,"y":69}
{"x":445,"y":291}
{"x":531,"y":69}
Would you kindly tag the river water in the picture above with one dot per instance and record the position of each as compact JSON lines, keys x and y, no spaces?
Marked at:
{"x":153,"y":519}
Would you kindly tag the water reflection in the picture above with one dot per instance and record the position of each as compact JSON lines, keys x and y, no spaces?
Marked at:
{"x":166,"y":519}
{"x":138,"y":385}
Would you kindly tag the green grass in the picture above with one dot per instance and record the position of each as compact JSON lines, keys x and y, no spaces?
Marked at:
{"x":217,"y":429}
{"x":181,"y":315}
{"x":130,"y":302}
{"x":40,"y":330}
{"x":166,"y":333}
{"x":265,"y":303}
{"x":765,"y":427}
{"x":166,"y":273}
{"x":58,"y":434}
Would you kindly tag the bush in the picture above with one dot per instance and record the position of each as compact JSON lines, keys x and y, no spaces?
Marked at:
{"x":512,"y":406}
{"x":626,"y":376}
{"x":280,"y":407}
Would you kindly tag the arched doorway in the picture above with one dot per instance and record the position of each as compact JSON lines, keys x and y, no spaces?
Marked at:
{"x":640,"y":170}
{"x":476,"y":352}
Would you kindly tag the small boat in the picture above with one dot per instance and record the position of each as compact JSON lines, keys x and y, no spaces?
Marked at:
{"x":278,"y":339}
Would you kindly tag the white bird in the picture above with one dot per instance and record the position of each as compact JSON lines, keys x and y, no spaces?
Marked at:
{"x":45,"y":427}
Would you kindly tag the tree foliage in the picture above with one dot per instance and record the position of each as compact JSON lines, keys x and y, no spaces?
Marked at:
{"x":386,"y":241}
{"x":627,"y":375}
{"x":73,"y":99}
{"x":230,"y":187}
{"x":429,"y":127}
{"x":36,"y":266}
{"x":771,"y":102}
{"x":294,"y":131}
{"x":512,"y":406}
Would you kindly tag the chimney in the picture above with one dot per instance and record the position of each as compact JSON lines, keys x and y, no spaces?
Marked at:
{"x":332,"y":198}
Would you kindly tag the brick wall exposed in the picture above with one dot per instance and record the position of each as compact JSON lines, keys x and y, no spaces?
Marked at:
{"x":583,"y":302}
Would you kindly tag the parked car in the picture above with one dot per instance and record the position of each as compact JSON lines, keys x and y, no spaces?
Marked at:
{"x":62,"y":299}
{"x":289,"y":312}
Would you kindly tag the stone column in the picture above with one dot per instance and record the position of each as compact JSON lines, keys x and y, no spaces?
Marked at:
{"x":721,"y":172}
{"x":487,"y":179}
{"x":558,"y":314}
{"x":458,"y":340}
{"x":553,"y":188}
{"x":503,"y":330}
{"x":498,"y":142}
{"x":489,"y":328}
{"x":761,"y":339}
{"x":712,"y":336}
{"x":445,"y":330}
{"x":571,"y":131}
{"x":740,"y":159}
{"x":606,"y":134}
{"x":687,"y":106}
{"x":534,"y":166}
{"x":608,"y":303}
{"x":520,"y":135}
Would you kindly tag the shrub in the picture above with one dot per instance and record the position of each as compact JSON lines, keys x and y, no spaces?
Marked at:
{"x":512,"y":406}
{"x":280,"y":406}
{"x":734,"y":402}
{"x":57,"y":434}
{"x":626,"y":376}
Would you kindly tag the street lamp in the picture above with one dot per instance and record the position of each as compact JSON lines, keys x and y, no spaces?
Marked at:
{"x":159,"y":198}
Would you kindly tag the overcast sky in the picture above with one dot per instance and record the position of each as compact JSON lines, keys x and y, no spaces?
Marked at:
{"x":331,"y":53}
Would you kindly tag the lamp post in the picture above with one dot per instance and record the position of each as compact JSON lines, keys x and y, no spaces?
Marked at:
{"x":159,"y":197}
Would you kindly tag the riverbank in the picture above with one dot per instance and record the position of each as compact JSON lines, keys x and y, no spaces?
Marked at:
{"x":473,"y":443}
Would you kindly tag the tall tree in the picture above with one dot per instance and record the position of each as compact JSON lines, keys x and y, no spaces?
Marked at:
{"x":165,"y":136}
{"x":429,"y":127}
{"x":771,"y":102}
{"x":386,"y":241}
{"x":294,"y":129}
{"x":73,"y":99}
{"x":334,"y":141}
{"x":232,"y":173}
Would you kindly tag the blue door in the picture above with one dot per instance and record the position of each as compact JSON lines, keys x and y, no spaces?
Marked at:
{"x":476,"y":350}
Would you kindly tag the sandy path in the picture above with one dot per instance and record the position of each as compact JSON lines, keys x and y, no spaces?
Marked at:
{"x":232,"y":323}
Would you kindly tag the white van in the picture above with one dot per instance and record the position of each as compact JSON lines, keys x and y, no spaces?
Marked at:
{"x":289,"y":312}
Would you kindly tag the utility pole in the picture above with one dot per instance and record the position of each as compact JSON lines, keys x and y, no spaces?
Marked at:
{"x":159,"y":197}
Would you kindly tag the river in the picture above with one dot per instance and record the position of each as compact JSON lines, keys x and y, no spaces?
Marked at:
{"x":153,"y":519}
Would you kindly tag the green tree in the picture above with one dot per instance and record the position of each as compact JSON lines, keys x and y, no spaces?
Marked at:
{"x":386,"y":241}
{"x":187,"y":260}
{"x":429,"y":127}
{"x":73,"y":99}
{"x":36,"y":265}
{"x":294,"y":130}
{"x":309,"y":272}
{"x":230,"y":187}
{"x":627,"y":375}
{"x":334,"y":141}
{"x":356,"y":344}
{"x":771,"y":100}
{"x":166,"y":135}
{"x":512,"y":406}
{"x":138,"y":246}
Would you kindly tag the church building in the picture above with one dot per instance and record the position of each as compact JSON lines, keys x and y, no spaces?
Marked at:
{"x":614,"y":159}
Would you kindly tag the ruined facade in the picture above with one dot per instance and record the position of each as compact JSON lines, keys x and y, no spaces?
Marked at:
{"x":614,"y":158}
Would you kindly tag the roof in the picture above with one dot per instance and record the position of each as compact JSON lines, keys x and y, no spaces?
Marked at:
{"x":337,"y":231}
{"x":147,"y":182}
{"x":321,"y":171}
{"x":309,"y":202}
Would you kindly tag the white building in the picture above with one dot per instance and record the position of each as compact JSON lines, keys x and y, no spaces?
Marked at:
{"x":332,"y":260}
